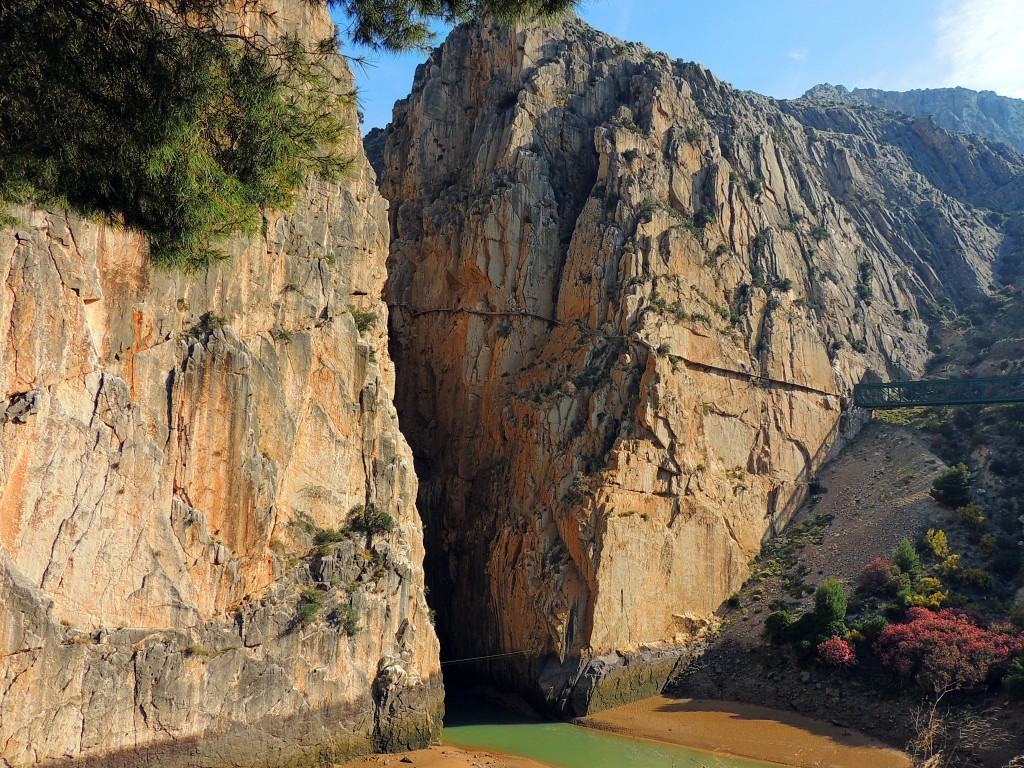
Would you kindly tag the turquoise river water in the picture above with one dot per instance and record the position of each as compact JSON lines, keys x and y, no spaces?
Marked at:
{"x":472,"y":725}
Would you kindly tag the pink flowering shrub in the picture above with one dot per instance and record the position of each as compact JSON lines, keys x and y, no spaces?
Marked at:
{"x":944,"y":649}
{"x":836,"y":652}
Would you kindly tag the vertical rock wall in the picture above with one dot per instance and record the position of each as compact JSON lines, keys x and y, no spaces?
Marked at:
{"x":628,"y":303}
{"x":179,"y":455}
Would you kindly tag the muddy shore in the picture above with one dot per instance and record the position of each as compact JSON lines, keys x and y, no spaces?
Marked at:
{"x":749,"y":731}
{"x":739,"y":730}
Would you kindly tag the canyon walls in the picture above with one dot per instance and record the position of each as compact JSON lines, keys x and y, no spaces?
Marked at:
{"x":182,"y":458}
{"x":628,"y":306}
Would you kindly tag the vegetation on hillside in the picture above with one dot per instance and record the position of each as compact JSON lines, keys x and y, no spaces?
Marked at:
{"x":175,"y":120}
{"x":937,"y":624}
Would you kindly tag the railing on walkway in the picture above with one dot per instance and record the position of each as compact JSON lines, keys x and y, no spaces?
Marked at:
{"x":904,"y":394}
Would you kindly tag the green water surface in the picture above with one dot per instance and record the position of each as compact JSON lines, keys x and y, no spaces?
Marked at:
{"x":471,"y":725}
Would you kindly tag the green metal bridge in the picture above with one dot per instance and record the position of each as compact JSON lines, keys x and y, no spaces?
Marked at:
{"x":905,"y":394}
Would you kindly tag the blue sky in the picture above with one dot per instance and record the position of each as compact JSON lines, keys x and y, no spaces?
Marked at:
{"x":784,"y":47}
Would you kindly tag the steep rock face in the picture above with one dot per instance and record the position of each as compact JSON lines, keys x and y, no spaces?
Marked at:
{"x":988,"y":114}
{"x":178,"y":457}
{"x":627,"y":305}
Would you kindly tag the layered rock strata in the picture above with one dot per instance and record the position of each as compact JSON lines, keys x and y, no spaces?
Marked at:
{"x":181,"y":459}
{"x":628,"y":304}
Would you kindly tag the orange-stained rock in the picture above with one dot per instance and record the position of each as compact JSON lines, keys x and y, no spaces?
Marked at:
{"x":169,"y":446}
{"x":628,"y":306}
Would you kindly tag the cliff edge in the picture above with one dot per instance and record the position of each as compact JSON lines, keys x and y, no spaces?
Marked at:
{"x":209,"y":547}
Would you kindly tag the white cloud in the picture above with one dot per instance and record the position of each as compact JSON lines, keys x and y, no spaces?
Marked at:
{"x":800,"y":54}
{"x":981,"y":43}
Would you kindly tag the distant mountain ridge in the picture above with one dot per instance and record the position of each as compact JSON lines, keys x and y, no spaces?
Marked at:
{"x":1000,"y":118}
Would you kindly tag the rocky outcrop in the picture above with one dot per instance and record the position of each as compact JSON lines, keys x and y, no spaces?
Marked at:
{"x":628,"y":303}
{"x":999,"y":118}
{"x":181,"y":459}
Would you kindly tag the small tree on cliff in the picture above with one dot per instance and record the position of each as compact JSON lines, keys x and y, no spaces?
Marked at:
{"x":174,"y":119}
{"x":906,"y":559}
{"x":397,"y":25}
{"x":953,"y":487}
{"x":828,"y":618}
{"x":830,"y":608}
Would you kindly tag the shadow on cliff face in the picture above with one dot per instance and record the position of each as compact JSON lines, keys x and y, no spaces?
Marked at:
{"x":626,"y":305}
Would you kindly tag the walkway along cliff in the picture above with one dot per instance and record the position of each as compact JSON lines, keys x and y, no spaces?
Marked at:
{"x":628,"y":305}
{"x":180,"y":458}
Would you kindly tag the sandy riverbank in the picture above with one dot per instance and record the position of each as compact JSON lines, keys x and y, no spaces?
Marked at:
{"x":741,"y":730}
{"x":442,"y":757}
{"x":748,"y":731}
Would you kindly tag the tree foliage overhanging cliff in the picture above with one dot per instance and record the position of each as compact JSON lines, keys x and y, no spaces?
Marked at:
{"x":397,"y":25}
{"x":176,"y":120}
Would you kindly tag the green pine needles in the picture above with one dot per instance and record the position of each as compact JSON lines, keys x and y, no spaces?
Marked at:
{"x":170,"y":118}
{"x":161,"y":120}
{"x":397,"y":25}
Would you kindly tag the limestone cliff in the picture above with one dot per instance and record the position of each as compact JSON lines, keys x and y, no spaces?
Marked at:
{"x":628,"y":305}
{"x":999,"y":118}
{"x":180,"y":457}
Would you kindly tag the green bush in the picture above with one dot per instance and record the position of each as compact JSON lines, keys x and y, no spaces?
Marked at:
{"x":323,"y":538}
{"x":370,"y":520}
{"x":1005,"y":560}
{"x":858,"y":345}
{"x":830,"y":608}
{"x":777,"y":626}
{"x":703,"y":216}
{"x":812,"y":628}
{"x":872,"y":627}
{"x":759,"y":244}
{"x":329,"y":536}
{"x":975,"y":578}
{"x":715,"y":255}
{"x":925,"y":593}
{"x":1013,"y":683}
{"x":804,"y":632}
{"x":819,"y":232}
{"x":953,"y":487}
{"x":364,"y":320}
{"x":906,"y":559}
{"x":309,"y":607}
{"x":207,"y":324}
{"x":349,"y":620}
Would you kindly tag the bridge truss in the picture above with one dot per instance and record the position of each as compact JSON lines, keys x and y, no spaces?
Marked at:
{"x":906,"y":394}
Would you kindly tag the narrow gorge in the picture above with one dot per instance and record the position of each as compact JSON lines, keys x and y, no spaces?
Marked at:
{"x":615,"y":306}
{"x":628,"y":307}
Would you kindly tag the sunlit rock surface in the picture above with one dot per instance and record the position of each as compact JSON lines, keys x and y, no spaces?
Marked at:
{"x":628,"y":305}
{"x":170,"y":446}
